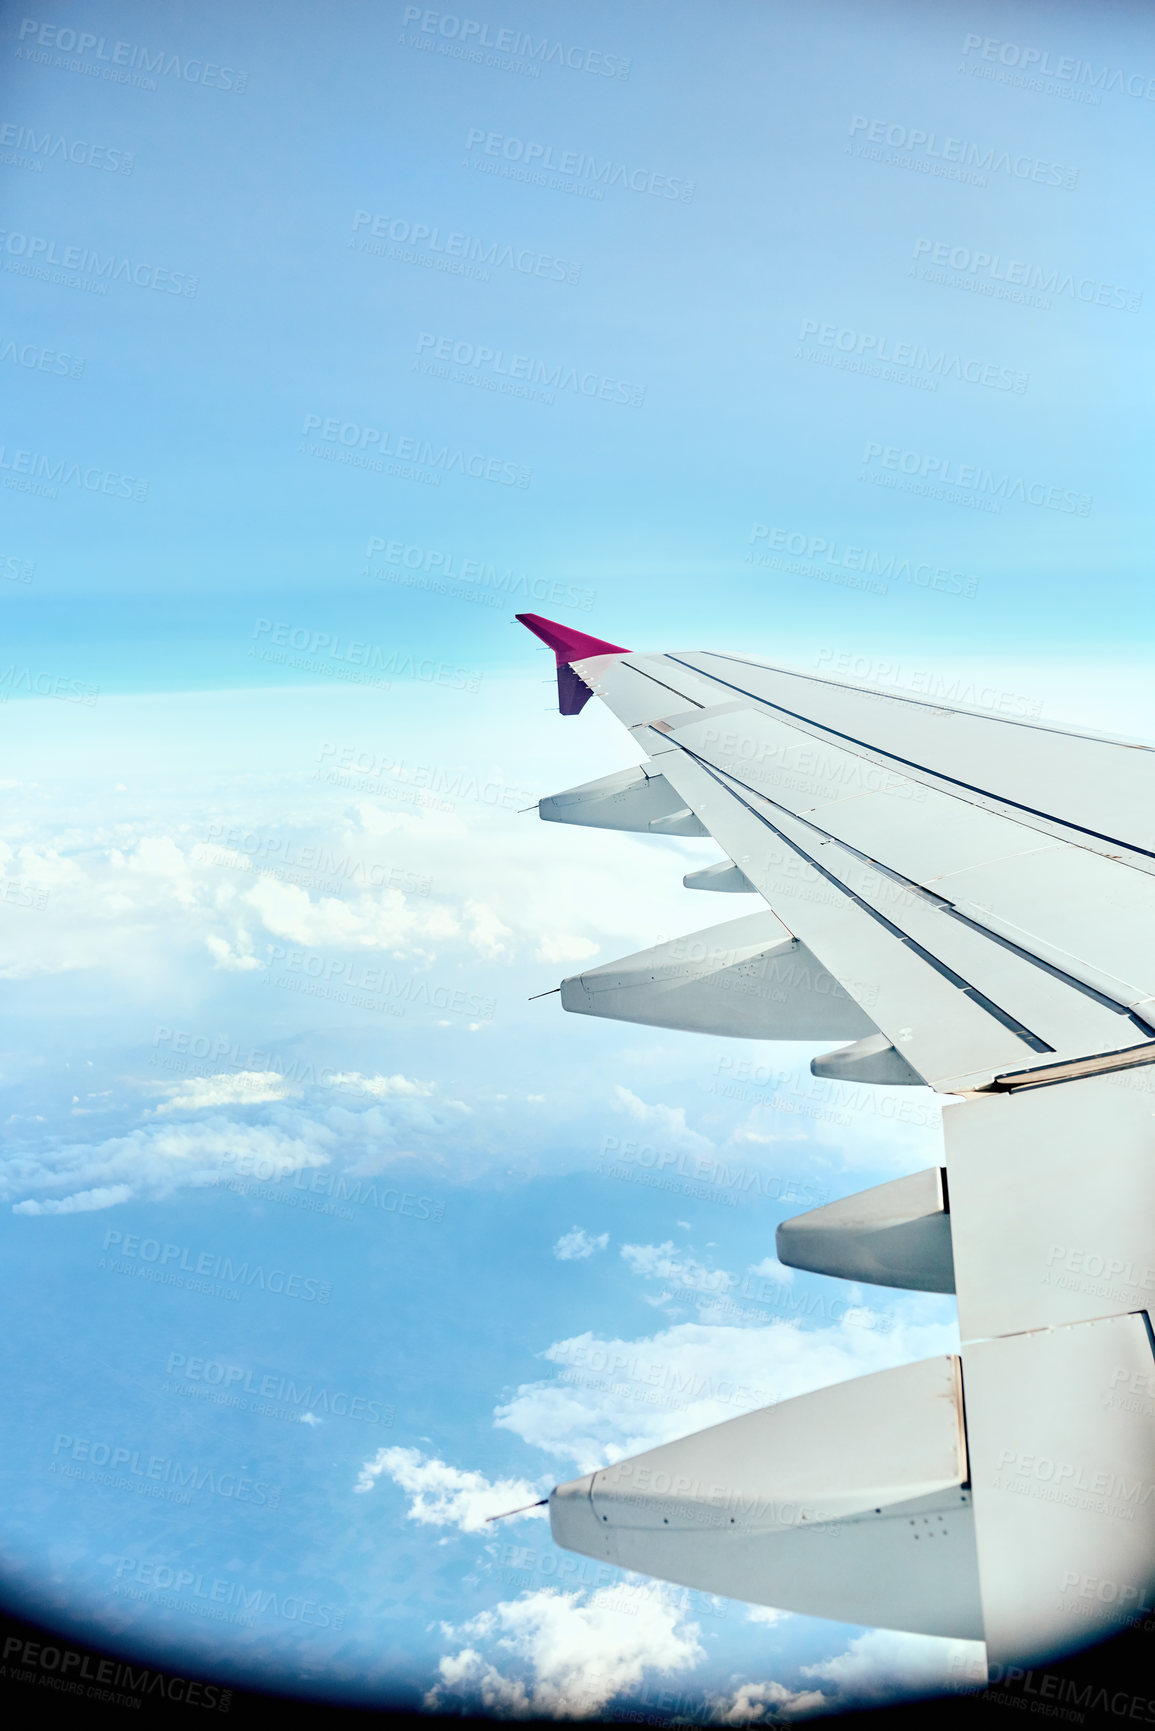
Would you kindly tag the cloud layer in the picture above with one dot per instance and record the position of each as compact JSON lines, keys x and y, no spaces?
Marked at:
{"x":565,"y":1655}
{"x":441,"y":1495}
{"x":614,"y":1397}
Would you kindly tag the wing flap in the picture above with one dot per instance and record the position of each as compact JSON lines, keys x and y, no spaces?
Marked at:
{"x":1063,"y":1458}
{"x":1052,"y":1194}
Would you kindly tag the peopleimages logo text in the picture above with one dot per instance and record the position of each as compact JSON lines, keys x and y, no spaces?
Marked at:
{"x":919,"y":145}
{"x":1065,"y":66}
{"x":117,"y":59}
{"x":235,"y":1378}
{"x":819,"y":549}
{"x":971,"y":261}
{"x":48,"y":145}
{"x":163,"y":1471}
{"x":472,"y":33}
{"x":933,"y":363}
{"x":34,"y":472}
{"x":500,"y":368}
{"x":77,"y":1669}
{"x":41,"y":252}
{"x":249,"y":1601}
{"x":367,"y":445}
{"x":973,"y":477}
{"x":578,"y":165}
{"x":452,"y":244}
{"x":208,"y":1265}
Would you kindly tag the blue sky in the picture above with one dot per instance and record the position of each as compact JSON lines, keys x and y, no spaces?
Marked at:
{"x":813,"y":335}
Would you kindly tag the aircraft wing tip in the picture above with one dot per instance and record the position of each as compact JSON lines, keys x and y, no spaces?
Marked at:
{"x":567,"y":644}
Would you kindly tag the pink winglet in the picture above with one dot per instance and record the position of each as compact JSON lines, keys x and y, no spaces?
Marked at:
{"x":567,"y":644}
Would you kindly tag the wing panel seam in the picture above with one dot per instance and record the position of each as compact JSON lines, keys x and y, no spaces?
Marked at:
{"x":945,"y":906}
{"x":923,"y":769}
{"x":656,"y":681}
{"x":1004,"y":1017}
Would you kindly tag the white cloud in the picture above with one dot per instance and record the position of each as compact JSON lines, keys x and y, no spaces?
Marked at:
{"x":771,"y":1269}
{"x":380,"y":1087}
{"x":562,"y":947}
{"x":143,"y":907}
{"x":444,"y":1496}
{"x":765,"y":1614}
{"x":613,"y":1398}
{"x":488,"y":934}
{"x":381,"y":920}
{"x":122,"y":892}
{"x":395,"y":1122}
{"x":231,"y":961}
{"x":565,"y":1655}
{"x":576,"y":1245}
{"x":83,"y":1202}
{"x":159,"y":857}
{"x":311,"y":1418}
{"x":667,"y":1121}
{"x":235,"y":1088}
{"x":764,"y":1704}
{"x":663,"y":1262}
{"x":885,"y":1663}
{"x":891,"y":1128}
{"x":160,"y":1159}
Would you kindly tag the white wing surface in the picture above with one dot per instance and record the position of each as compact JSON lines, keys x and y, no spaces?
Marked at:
{"x":971,"y":900}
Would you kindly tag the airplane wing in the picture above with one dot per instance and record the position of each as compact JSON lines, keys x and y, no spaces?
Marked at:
{"x":969,"y":900}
